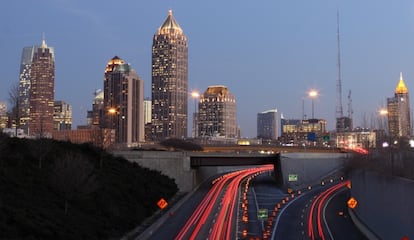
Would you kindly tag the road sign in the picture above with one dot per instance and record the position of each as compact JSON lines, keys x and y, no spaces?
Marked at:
{"x":262,"y":214}
{"x":326,"y":137}
{"x":311,"y":136}
{"x":292,"y":177}
{"x":162,"y":203}
{"x":352,"y":203}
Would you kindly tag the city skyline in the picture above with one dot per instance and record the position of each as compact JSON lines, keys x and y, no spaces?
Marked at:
{"x":270,"y":61}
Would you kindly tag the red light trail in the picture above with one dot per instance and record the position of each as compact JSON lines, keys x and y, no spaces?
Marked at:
{"x":316,"y":208}
{"x":225,"y":187}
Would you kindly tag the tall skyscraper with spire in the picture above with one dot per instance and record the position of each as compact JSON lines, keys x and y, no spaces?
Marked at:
{"x":399,"y":124}
{"x":42,"y":89}
{"x":169,"y":81}
{"x":124,"y":102}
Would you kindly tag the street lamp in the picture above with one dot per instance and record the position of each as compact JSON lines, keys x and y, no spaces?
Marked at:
{"x":383,"y":113}
{"x":313,"y":94}
{"x":111,"y":117}
{"x":195,"y":95}
{"x":112,"y":111}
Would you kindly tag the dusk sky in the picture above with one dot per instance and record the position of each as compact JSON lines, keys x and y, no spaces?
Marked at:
{"x":269,"y":53}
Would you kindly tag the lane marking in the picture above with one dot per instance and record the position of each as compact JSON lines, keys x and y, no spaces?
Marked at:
{"x":324,"y":211}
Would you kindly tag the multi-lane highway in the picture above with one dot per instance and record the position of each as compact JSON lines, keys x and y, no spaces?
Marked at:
{"x":216,"y":215}
{"x":247,"y":204}
{"x":211,"y":212}
{"x":320,"y":212}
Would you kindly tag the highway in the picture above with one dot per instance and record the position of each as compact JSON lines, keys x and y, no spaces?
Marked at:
{"x":215,"y":215}
{"x":228,"y":207}
{"x":319,"y":213}
{"x":212,"y":210}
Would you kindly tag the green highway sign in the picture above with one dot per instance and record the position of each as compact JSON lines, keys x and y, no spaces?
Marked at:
{"x":262,"y":214}
{"x":293,"y":178}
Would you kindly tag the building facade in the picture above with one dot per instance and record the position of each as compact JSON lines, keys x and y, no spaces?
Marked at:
{"x":147,"y":111}
{"x":356,"y":139}
{"x":3,"y":115}
{"x":123,"y":103}
{"x":24,"y":86}
{"x":217,"y":113}
{"x":169,"y":81}
{"x":95,"y":117}
{"x":297,"y":132}
{"x":100,"y":137}
{"x":344,"y":124}
{"x":42,"y":89}
{"x":399,"y":123}
{"x":62,"y":116}
{"x":267,"y":125}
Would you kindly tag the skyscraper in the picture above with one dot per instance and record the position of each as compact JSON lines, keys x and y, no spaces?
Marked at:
{"x":217,"y":113}
{"x":398,"y":107}
{"x":147,"y":111}
{"x":62,"y":117}
{"x":169,"y":81}
{"x":123,"y":102}
{"x":96,"y":115}
{"x":267,"y":125}
{"x":41,"y":93}
{"x":24,"y":86}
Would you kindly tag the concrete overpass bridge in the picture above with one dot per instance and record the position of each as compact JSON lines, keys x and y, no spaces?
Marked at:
{"x":266,"y":148}
{"x":189,"y":169}
{"x":204,"y":159}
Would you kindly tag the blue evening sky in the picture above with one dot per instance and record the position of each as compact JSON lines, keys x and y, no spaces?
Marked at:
{"x":269,"y":53}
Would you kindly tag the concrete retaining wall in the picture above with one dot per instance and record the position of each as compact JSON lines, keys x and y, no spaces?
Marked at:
{"x":175,"y":165}
{"x":310,"y":167}
{"x":385,"y":204}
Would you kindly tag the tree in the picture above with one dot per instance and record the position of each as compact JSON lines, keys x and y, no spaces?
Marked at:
{"x":72,"y":177}
{"x":14,"y":100}
{"x":176,"y":143}
{"x":40,"y":148}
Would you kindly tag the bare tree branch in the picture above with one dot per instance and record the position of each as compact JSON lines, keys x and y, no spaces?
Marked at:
{"x":14,"y":100}
{"x":72,"y":177}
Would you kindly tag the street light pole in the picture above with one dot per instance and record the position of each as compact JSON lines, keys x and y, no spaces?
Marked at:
{"x":313,"y":94}
{"x":195,"y":95}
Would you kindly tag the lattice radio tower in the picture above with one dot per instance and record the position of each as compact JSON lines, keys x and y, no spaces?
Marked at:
{"x":339,"y":109}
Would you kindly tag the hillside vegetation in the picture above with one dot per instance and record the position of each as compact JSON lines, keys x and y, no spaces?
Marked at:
{"x":60,"y":190}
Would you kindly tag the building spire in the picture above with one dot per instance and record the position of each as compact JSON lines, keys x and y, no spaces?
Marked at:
{"x":401,"y":88}
{"x":44,"y":45}
{"x":170,"y":25}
